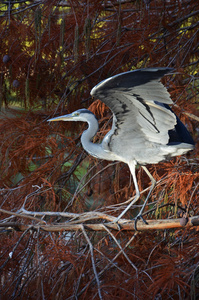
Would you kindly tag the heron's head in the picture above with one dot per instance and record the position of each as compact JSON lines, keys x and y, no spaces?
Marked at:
{"x":83,"y":115}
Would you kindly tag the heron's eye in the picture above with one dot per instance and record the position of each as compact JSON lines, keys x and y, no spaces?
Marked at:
{"x":76,"y":114}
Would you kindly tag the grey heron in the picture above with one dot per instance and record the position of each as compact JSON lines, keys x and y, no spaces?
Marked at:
{"x":144,"y":129}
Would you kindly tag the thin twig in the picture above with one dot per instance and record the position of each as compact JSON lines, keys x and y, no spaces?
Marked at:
{"x":22,"y":215}
{"x":93,"y":261}
{"x":119,"y":246}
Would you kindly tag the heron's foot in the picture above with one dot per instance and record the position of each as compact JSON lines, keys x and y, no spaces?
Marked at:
{"x":119,"y":227}
{"x":137,"y":218}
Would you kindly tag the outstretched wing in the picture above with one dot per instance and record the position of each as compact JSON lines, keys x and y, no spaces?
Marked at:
{"x":141,"y":119}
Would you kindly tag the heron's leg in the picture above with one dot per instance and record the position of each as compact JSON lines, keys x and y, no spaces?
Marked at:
{"x":137,"y":195}
{"x":149,"y":194}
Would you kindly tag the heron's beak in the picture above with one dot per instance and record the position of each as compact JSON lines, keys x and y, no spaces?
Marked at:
{"x":68,"y":117}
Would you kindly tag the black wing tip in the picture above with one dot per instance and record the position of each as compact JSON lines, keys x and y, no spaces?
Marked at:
{"x":159,"y":71}
{"x":180,"y":134}
{"x":153,"y":69}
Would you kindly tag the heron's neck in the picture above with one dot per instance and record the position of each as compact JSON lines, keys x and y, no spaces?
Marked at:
{"x":87,"y":136}
{"x":95,"y":150}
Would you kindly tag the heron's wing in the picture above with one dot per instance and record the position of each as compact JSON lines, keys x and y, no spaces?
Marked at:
{"x":136,"y":99}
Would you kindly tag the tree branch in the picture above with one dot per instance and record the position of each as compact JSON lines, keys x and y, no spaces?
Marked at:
{"x":124,"y":224}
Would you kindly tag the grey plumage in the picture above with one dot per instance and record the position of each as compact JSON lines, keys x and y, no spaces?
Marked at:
{"x":144,"y":129}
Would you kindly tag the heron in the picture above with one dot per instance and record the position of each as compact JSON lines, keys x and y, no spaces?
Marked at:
{"x":144,"y":130}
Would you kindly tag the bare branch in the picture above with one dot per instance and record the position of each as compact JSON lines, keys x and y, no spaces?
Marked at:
{"x":119,"y":246}
{"x":123,"y":223}
{"x":93,"y":261}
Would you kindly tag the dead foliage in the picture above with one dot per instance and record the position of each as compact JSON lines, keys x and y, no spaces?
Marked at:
{"x":52,"y":53}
